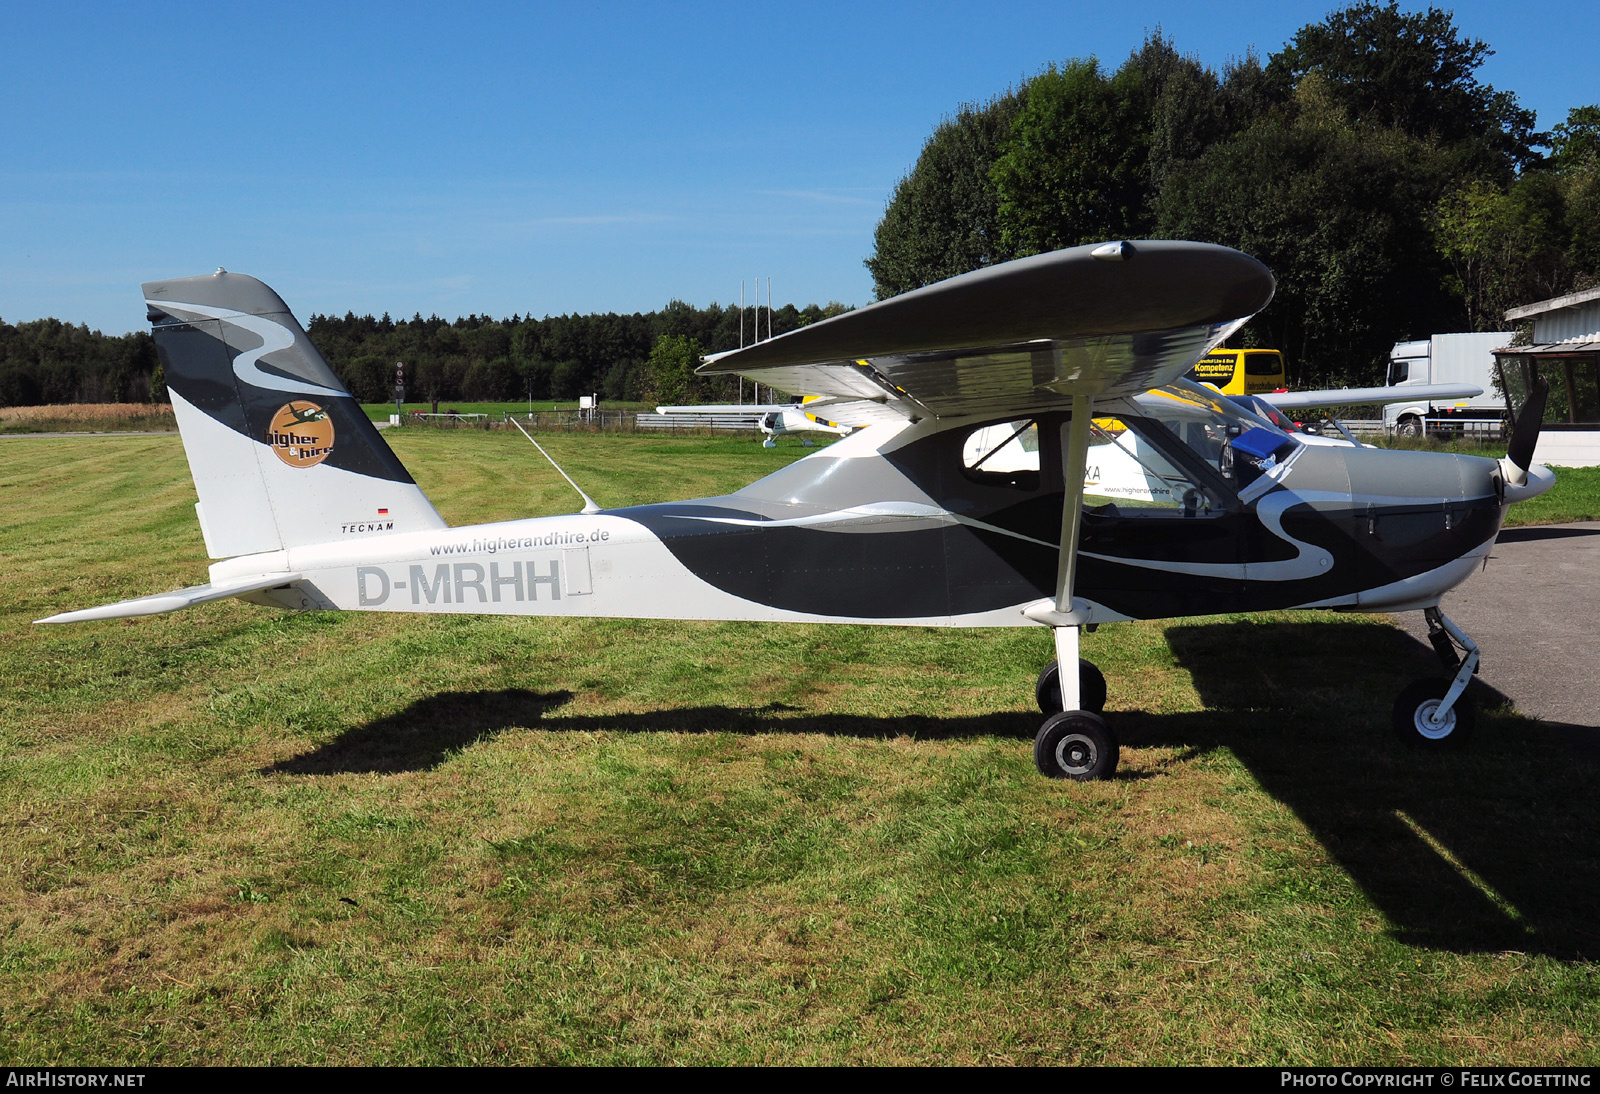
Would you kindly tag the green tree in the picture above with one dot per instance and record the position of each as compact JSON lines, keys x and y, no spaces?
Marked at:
{"x":1071,"y":156}
{"x":1575,"y":143}
{"x":1074,"y":168}
{"x":942,"y":219}
{"x":1339,"y":213}
{"x":1505,"y":245}
{"x":1412,"y":72}
{"x":671,"y":369}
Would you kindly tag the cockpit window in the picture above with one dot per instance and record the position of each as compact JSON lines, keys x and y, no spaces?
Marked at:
{"x":1175,"y":452}
{"x":1126,"y":472}
{"x":1003,"y":454}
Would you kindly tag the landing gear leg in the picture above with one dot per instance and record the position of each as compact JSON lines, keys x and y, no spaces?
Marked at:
{"x":1075,"y":743}
{"x":1436,"y":714}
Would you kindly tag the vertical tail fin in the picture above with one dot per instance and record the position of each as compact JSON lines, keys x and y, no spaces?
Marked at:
{"x":281,"y":455}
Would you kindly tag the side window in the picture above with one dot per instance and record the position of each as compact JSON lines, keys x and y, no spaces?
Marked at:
{"x":1129,"y":475}
{"x":1004,"y":454}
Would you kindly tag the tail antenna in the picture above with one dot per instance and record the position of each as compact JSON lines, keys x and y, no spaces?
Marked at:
{"x":589,"y":505}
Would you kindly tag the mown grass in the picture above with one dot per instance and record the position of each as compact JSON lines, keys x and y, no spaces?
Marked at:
{"x":1575,"y":496}
{"x":238,"y":836}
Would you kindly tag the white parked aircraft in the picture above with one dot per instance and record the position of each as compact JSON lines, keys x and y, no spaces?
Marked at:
{"x":773,"y":419}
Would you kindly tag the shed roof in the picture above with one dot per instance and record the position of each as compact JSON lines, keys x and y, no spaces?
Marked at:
{"x":1555,"y":303}
{"x":1572,"y":347}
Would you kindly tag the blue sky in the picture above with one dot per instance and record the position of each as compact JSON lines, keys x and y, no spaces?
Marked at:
{"x":542,"y":159}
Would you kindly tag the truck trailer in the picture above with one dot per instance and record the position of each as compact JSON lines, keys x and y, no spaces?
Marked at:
{"x":1446,"y":359}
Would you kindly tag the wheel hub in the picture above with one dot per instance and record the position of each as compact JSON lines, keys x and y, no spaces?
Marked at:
{"x":1075,"y":753}
{"x":1434,"y":730}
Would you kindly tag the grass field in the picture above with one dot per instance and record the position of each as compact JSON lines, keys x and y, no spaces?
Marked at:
{"x":233,"y":835}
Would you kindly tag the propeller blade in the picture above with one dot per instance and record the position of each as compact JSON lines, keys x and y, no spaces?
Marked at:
{"x":1525,"y":435}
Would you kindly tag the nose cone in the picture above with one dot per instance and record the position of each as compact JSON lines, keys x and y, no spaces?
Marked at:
{"x":1535,"y":481}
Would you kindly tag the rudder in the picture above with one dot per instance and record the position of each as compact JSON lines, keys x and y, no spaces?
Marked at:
{"x":282,"y":456}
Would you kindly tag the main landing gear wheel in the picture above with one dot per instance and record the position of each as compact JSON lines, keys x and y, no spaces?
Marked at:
{"x":1091,"y":688}
{"x":1075,"y":744}
{"x":1413,"y":713}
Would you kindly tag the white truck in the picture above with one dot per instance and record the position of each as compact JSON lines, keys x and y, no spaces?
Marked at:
{"x":1445,"y":359}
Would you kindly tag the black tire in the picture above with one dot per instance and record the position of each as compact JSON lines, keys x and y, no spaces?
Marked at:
{"x":1076,"y":744}
{"x":1417,"y":702}
{"x":1091,"y":688}
{"x":1409,"y":426}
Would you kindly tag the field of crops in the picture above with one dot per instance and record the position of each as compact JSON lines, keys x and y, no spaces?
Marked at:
{"x":233,"y":835}
{"x":87,"y":418}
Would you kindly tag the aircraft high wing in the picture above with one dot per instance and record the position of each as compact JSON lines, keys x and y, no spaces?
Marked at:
{"x":962,"y":503}
{"x":1366,"y":396}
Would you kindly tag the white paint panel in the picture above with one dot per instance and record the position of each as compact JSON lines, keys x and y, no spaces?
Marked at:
{"x":576,"y":572}
{"x":234,"y":508}
{"x":632,"y":576}
{"x":322,"y":503}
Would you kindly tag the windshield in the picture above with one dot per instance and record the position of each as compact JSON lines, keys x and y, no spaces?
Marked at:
{"x":1179,"y":450}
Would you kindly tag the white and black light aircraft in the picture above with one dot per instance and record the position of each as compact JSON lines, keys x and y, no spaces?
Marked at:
{"x":966,"y":499}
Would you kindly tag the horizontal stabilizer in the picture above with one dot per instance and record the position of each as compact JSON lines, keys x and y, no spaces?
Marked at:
{"x":1367,"y":396}
{"x":171,"y":602}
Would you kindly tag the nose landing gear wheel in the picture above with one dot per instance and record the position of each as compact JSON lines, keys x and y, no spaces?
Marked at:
{"x":1414,"y":710}
{"x":1091,"y":688}
{"x":1075,"y":744}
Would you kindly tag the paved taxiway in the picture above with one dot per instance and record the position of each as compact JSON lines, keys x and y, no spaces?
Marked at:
{"x":1535,"y":614}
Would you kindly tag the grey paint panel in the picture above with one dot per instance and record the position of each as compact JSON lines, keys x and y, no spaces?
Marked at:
{"x":1022,"y":336}
{"x":1064,"y":295}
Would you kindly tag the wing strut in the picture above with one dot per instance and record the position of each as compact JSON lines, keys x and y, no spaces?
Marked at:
{"x":1074,"y":463}
{"x":1062,"y":615}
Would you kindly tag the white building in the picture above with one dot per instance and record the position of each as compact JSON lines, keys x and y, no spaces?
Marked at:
{"x":1566,"y":352}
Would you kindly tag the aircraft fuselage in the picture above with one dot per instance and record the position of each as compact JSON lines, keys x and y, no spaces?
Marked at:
{"x":890,"y":527}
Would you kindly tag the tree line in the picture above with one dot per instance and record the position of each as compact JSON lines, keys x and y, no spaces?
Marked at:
{"x":478,"y":359}
{"x":48,"y":361}
{"x":1392,"y":194}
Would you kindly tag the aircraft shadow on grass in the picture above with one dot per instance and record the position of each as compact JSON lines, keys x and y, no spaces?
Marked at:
{"x":1514,"y":810}
{"x":431,"y":730}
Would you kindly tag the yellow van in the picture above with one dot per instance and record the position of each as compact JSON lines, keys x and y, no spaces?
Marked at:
{"x":1240,"y":371}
